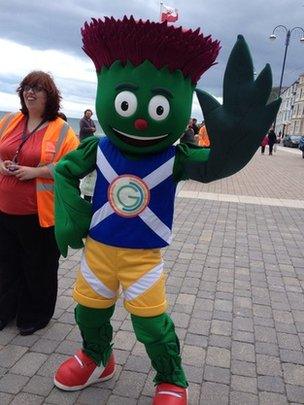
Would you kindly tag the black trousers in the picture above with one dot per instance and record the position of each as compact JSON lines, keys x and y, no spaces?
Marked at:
{"x":29,"y":260}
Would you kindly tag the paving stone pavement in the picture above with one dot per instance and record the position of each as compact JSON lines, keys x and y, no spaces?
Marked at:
{"x":235,"y":290}
{"x":276,"y":176}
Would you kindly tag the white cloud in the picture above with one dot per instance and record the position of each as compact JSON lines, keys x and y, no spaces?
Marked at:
{"x":61,"y":65}
{"x":9,"y":102}
{"x":196,"y":108}
{"x":75,"y":110}
{"x":21,"y":59}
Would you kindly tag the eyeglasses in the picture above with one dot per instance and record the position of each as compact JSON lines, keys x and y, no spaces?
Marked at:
{"x":36,"y":88}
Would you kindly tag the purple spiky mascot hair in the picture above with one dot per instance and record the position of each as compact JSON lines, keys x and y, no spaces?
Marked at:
{"x":108,"y":40}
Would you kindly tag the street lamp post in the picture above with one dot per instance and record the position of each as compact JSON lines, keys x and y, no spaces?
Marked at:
{"x":287,"y":40}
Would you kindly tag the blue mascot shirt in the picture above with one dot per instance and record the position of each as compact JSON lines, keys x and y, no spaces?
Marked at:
{"x":133,"y":201}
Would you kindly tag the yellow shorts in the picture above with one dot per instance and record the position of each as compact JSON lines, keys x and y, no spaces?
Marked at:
{"x":106,"y":270}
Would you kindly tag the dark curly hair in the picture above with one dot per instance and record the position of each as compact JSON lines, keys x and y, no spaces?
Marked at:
{"x":87,"y":111}
{"x":53,"y":96}
{"x":108,"y":40}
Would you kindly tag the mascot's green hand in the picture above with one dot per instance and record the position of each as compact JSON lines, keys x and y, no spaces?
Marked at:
{"x":72,"y":213}
{"x":237,"y":127}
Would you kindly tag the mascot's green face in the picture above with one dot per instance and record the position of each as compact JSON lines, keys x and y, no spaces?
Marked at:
{"x":143,"y":109}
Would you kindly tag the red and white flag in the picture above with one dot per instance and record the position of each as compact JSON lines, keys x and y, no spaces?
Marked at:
{"x":168,"y":14}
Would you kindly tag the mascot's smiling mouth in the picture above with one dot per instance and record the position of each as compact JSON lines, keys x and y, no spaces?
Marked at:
{"x":138,"y":140}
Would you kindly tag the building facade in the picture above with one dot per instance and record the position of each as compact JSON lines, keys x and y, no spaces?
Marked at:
{"x":297,"y":117}
{"x":283,"y":120}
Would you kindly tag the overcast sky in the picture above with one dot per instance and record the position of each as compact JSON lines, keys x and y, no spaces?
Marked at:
{"x":46,"y":35}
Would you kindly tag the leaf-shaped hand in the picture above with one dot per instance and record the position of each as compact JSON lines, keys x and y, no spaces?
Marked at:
{"x":72,"y":213}
{"x":237,"y":127}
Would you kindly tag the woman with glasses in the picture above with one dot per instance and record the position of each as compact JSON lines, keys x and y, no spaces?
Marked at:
{"x":31,"y":142}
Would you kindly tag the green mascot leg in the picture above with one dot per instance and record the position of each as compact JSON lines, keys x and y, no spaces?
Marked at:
{"x":158,"y":335}
{"x":96,"y":332}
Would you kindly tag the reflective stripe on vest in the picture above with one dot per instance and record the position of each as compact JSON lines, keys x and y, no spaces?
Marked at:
{"x":151,"y":180}
{"x":45,"y":186}
{"x":51,"y":167}
{"x":7,"y":120}
{"x":61,"y":137}
{"x":40,"y":185}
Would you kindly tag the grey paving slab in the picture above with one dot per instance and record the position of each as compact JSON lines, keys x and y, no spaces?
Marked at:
{"x":235,"y":291}
{"x":278,"y":184}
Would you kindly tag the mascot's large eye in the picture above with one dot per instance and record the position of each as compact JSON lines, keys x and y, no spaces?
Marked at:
{"x":159,"y":108}
{"x":125,"y":103}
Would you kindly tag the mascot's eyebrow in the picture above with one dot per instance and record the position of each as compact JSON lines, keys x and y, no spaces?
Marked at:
{"x":126,"y":86}
{"x":163,"y":91}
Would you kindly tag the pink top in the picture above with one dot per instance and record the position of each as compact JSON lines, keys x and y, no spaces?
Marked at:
{"x":19,"y":197}
{"x":265,"y":141}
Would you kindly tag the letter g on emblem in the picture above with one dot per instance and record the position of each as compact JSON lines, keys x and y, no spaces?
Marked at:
{"x":128,"y":195}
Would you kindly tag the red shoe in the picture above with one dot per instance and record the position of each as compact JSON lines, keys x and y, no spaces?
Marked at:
{"x":80,"y":371}
{"x":170,"y":394}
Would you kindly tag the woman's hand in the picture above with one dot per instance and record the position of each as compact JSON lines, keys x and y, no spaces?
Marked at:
{"x":26,"y":173}
{"x":7,"y":167}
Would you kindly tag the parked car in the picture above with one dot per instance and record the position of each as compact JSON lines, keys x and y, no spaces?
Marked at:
{"x":291,"y":140}
{"x":301,"y":145}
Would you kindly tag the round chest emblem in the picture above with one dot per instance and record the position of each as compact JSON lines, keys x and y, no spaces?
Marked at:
{"x":128,"y":195}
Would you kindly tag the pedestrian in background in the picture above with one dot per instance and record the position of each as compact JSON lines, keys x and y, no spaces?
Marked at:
{"x":188,"y":136}
{"x":272,"y":140}
{"x":264,"y":143}
{"x":194,"y":126}
{"x":31,"y":142}
{"x":87,"y":125}
{"x":87,"y":128}
{"x":203,"y":138}
{"x":87,"y":185}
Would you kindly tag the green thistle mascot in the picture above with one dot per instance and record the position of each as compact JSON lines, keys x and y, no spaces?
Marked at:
{"x":147,"y":73}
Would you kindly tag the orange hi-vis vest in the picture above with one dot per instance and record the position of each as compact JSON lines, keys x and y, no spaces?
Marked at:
{"x":58,"y":140}
{"x":203,"y":138}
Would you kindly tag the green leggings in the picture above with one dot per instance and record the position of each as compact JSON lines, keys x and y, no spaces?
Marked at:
{"x":157,"y":333}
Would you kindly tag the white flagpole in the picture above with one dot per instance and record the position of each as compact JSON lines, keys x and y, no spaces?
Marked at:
{"x":160,"y":10}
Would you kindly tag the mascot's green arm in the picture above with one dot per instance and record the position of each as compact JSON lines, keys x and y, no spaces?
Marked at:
{"x":235,"y":128}
{"x":72,"y":213}
{"x":190,"y":162}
